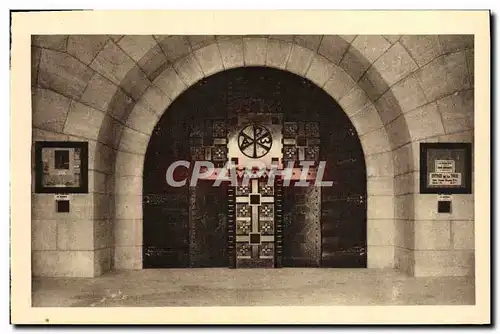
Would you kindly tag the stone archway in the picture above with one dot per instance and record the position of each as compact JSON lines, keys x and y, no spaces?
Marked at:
{"x":318,"y":227}
{"x":397,"y":90}
{"x":378,"y":137}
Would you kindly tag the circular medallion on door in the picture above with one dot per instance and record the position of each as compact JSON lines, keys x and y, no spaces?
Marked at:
{"x":255,"y":141}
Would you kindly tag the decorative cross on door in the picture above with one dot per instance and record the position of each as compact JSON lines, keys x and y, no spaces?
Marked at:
{"x":255,"y":229}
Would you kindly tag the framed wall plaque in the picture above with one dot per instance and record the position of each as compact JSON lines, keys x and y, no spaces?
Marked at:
{"x":445,"y":168}
{"x":61,"y":167}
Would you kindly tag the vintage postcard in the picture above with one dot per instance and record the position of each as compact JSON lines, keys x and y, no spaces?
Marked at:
{"x":263,"y":167}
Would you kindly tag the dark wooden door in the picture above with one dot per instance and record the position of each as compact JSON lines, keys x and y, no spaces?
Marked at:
{"x":183,"y":226}
{"x":165,"y":208}
{"x":343,"y":206}
{"x":323,"y":226}
{"x":165,"y":231}
{"x":301,"y":227}
{"x":208,"y":225}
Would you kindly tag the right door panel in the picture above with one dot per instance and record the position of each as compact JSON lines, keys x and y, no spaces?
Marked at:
{"x":301,"y":226}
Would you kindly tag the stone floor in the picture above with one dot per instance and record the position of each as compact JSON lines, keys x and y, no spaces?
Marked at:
{"x":230,"y":287}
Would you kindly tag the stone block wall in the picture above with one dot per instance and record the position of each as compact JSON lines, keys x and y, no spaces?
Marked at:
{"x":438,"y":104}
{"x":65,"y":107}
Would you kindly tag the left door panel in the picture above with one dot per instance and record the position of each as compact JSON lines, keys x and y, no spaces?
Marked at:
{"x":166,"y":230}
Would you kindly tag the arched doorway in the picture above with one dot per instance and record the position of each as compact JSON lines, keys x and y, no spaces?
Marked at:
{"x":197,"y":226}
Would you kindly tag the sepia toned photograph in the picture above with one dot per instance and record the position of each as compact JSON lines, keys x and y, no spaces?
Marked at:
{"x":252,"y":170}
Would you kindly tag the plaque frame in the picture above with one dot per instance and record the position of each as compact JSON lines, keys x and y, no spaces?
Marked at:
{"x":465,"y":167}
{"x":82,"y":188}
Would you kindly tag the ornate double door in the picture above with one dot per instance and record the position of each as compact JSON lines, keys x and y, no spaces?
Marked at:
{"x":262,"y":221}
{"x":254,"y":118}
